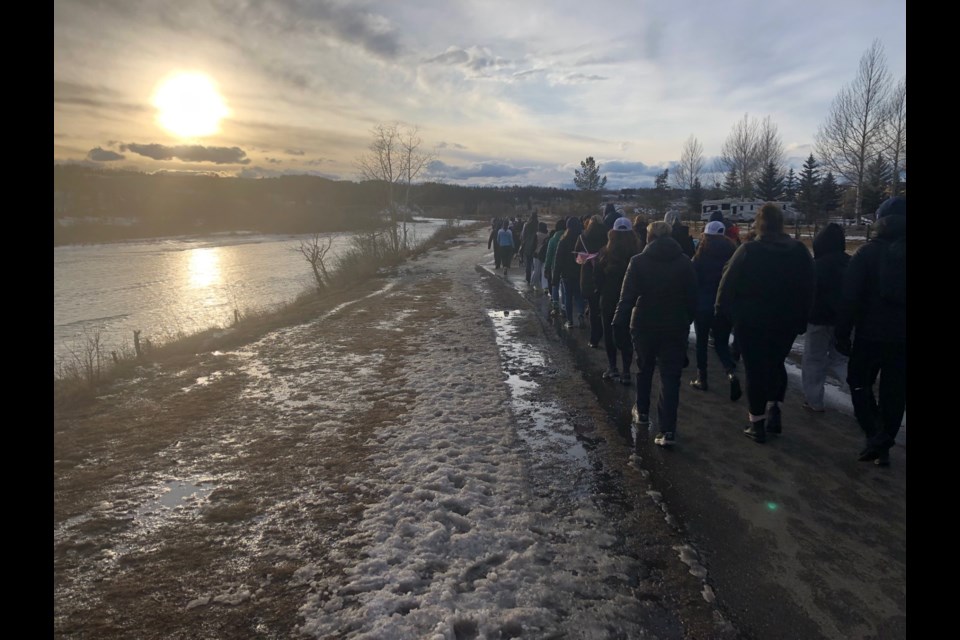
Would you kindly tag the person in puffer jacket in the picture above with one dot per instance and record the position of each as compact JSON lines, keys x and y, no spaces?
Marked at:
{"x":873,"y":306}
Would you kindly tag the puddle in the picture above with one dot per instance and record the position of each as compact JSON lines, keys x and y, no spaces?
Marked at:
{"x":541,"y":424}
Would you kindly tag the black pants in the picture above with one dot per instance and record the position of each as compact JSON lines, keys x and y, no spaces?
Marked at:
{"x":764,"y":351}
{"x":496,"y":256}
{"x":703,"y":323}
{"x":614,"y":337}
{"x":528,"y":264}
{"x":596,"y":321}
{"x":881,"y":420}
{"x":663,"y":350}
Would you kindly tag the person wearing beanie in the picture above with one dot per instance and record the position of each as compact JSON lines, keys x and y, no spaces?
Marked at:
{"x":658,"y":300}
{"x":610,"y":215}
{"x":820,"y":355}
{"x":873,"y":308}
{"x":566,"y":270}
{"x":713,"y":252}
{"x":680,"y":232}
{"x":766,"y":292}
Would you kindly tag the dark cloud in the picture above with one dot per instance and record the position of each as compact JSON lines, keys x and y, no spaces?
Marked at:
{"x":474,"y":60}
{"x":82,"y":95}
{"x":622,"y":167}
{"x":189,"y":153}
{"x":274,"y":161}
{"x":293,"y":152}
{"x":261,"y":172}
{"x":439,"y":169}
{"x":104,"y":155}
{"x":582,"y":77}
{"x":450,"y":145}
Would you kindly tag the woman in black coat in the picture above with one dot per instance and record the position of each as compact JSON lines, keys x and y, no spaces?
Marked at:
{"x":622,"y":244}
{"x":566,"y":270}
{"x":591,"y":241}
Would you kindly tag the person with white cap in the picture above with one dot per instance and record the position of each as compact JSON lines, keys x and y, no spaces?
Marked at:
{"x":713,"y":252}
{"x":622,"y":245}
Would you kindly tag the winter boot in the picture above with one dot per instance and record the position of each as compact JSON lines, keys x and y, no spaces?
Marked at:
{"x":773,"y":419}
{"x":700,"y":382}
{"x":756,"y":431}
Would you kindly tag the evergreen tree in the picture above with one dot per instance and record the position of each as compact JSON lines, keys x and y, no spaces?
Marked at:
{"x":588,"y":180}
{"x":876,"y":184}
{"x":808,"y":191}
{"x":661,"y":192}
{"x":731,"y":184}
{"x":790,"y":186}
{"x":831,"y":194}
{"x":770,"y":182}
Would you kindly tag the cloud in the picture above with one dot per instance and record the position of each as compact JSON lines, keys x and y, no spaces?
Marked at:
{"x":450,"y":145}
{"x":262,"y":172}
{"x":190,"y":153}
{"x":293,"y":152}
{"x":440,"y":169}
{"x":621,"y":167}
{"x":577,"y":78}
{"x":452,"y":56}
{"x":82,"y":95}
{"x":104,"y":155}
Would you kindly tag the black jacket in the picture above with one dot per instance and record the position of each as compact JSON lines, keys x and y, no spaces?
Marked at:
{"x":659,"y":289}
{"x":591,"y":241}
{"x":681,"y":233}
{"x":709,"y":264}
{"x":874,"y":297}
{"x":768,"y":283}
{"x":608,"y":277}
{"x":830,"y":262}
{"x":565,"y":263}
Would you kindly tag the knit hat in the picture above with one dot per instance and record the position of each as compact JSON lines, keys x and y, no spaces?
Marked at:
{"x":716,"y":216}
{"x":892,"y":207}
{"x":622,"y":224}
{"x":714,"y":228}
{"x":672,"y":217}
{"x":573,"y":224}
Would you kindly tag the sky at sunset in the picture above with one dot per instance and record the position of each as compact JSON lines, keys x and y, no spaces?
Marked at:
{"x":502,"y":92}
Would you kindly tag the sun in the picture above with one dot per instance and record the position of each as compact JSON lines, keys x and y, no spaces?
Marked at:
{"x":189,"y":105}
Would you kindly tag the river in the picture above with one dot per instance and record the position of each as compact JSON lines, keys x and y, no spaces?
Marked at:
{"x":167,"y":287}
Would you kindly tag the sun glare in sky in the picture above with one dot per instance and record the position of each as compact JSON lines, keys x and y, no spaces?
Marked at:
{"x":189,"y":105}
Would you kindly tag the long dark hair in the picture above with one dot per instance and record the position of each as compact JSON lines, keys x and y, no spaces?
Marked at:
{"x":621,"y":246}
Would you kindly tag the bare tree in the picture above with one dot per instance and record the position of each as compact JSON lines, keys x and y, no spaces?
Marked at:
{"x":315,"y":252}
{"x":851,"y":134}
{"x":769,"y":145}
{"x":895,"y":133}
{"x":739,"y":153}
{"x":394,"y":159}
{"x":690,"y":168}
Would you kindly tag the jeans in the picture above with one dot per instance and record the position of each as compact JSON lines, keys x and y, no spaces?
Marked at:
{"x":571,"y":296}
{"x":703,"y":323}
{"x":665,"y":351}
{"x":881,"y":420}
{"x":820,"y":358}
{"x":764,"y":351}
{"x":536,"y":278}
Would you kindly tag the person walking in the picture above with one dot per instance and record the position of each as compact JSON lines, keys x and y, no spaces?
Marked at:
{"x":506,"y":242}
{"x":659,"y":300}
{"x":873,"y":308}
{"x":591,"y":241}
{"x":820,"y":355}
{"x":539,"y":255}
{"x":640,"y":224}
{"x":610,"y":269}
{"x":495,"y":226}
{"x":610,"y":215}
{"x":528,"y":245}
{"x":559,"y":228}
{"x":766,"y":292}
{"x":713,"y":252}
{"x":680,"y":232}
{"x":566,"y":270}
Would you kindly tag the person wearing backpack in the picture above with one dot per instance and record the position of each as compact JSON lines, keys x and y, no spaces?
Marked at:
{"x":873,"y":308}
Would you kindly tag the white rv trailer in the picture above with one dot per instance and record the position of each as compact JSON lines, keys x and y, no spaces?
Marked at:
{"x":745,"y":210}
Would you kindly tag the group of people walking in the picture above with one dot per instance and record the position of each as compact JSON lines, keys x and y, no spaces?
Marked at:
{"x":638,"y":287}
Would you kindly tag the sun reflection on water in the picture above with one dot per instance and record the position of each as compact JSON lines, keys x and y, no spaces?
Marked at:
{"x":204,"y":268}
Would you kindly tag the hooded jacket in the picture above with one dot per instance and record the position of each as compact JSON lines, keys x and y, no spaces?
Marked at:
{"x":768,"y":284}
{"x":610,"y":215}
{"x":874,"y":296}
{"x":590,"y":241}
{"x":830,"y":263}
{"x":680,"y":232}
{"x":565,"y":261}
{"x":659,"y":289}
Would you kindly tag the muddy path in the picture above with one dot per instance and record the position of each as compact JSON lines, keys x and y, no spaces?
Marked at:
{"x":422,"y":459}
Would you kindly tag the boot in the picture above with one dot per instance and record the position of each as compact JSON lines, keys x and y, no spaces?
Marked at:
{"x":756,"y":431}
{"x":773,"y":419}
{"x":735,"y":390}
{"x":700,"y":382}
